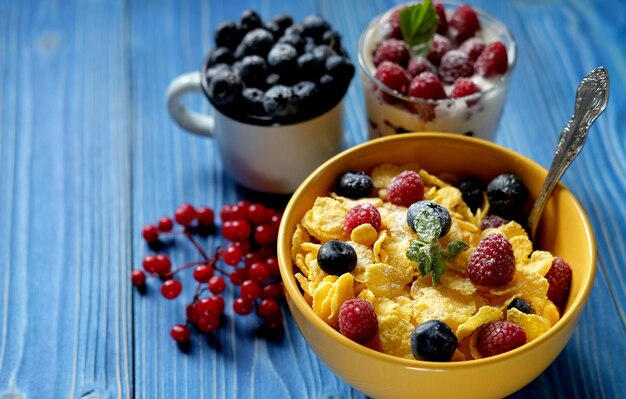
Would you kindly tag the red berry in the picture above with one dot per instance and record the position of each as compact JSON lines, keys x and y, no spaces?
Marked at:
{"x":272,"y":264}
{"x":357,"y":320}
{"x":393,"y":76}
{"x":274,"y":321}
{"x":250,"y":290}
{"x":236,"y":230}
{"x":242,"y":306}
{"x":438,"y":47}
{"x":442,"y":23}
{"x":473,"y":47}
{"x":171,"y":289}
{"x":265,"y":234}
{"x":163,"y":265}
{"x":244,"y":246}
{"x":210,"y":305}
{"x":405,"y":189}
{"x":258,"y":214}
{"x":393,"y":24}
{"x":260,"y":272}
{"x":493,"y":221}
{"x":419,"y":64}
{"x":208,"y":323}
{"x":150,"y":263}
{"x":231,"y":255}
{"x":217,"y":285}
{"x":243,"y":204}
{"x":185,"y":214}
{"x":205,"y":216}
{"x":180,"y":333}
{"x":493,"y":60}
{"x":455,"y":64}
{"x":392,"y":50}
{"x":238,"y":276}
{"x":268,"y":308}
{"x":166,"y":224}
{"x":463,"y":24}
{"x":361,"y":214}
{"x":251,"y":258}
{"x":138,"y":278}
{"x":150,"y":233}
{"x":275,"y":290}
{"x":498,"y":337}
{"x":464,"y":87}
{"x":493,"y":262}
{"x":560,"y":279}
{"x":428,"y":86}
{"x":192,"y":312}
{"x":203,"y":273}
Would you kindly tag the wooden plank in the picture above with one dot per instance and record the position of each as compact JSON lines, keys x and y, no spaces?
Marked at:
{"x":64,"y":200}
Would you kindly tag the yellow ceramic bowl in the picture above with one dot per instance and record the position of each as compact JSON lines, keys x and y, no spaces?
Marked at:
{"x":564,"y":230}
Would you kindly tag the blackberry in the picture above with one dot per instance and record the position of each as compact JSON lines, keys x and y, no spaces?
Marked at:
{"x":507,"y":195}
{"x":336,"y":257}
{"x":280,"y":101}
{"x":472,"y":190}
{"x":425,"y":205}
{"x":522,"y":305}
{"x":434,"y":341}
{"x":355,"y":185}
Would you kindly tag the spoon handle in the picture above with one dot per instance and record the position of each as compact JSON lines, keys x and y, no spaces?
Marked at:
{"x":591,"y":98}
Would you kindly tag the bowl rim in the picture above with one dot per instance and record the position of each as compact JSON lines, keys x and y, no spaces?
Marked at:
{"x":483,"y":15}
{"x":295,"y":295}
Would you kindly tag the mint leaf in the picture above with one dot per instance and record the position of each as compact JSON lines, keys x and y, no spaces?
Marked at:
{"x":438,"y":266}
{"x":427,"y":226}
{"x":419,"y":24}
{"x":454,"y":249}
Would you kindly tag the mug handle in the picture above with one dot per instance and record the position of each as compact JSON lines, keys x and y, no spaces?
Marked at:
{"x":189,"y":120}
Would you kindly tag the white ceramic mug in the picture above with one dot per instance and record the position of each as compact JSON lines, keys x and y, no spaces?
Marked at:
{"x":270,"y":159}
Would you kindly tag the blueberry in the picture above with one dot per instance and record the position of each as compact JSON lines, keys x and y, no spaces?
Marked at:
{"x":355,"y":185}
{"x":294,"y":40}
{"x":522,"y":305}
{"x":309,"y":44}
{"x":336,"y":257}
{"x":253,"y":101}
{"x":323,"y":51}
{"x":283,"y":21}
{"x":272,"y":79}
{"x":472,"y":190}
{"x":221,"y":55}
{"x":507,"y":195}
{"x":315,"y":26}
{"x":280,"y":102}
{"x":306,"y":92}
{"x":212,"y":71}
{"x":249,"y":20}
{"x":253,"y":71}
{"x":256,"y":42}
{"x":425,"y":205}
{"x":332,"y":37}
{"x":310,"y":65}
{"x":295,"y":29}
{"x":283,"y":59}
{"x":434,"y":341}
{"x":340,"y":68}
{"x":330,"y":87}
{"x":227,"y":35}
{"x":225,"y":88}
{"x":274,"y":29}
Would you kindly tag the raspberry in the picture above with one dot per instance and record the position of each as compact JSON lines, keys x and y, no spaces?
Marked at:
{"x":393,"y":76}
{"x":392,"y":50}
{"x":405,"y":189}
{"x":473,"y":47}
{"x":492,"y":61}
{"x":428,"y":86}
{"x":560,"y":279}
{"x":442,"y":23}
{"x":393,"y":24}
{"x":438,"y":47}
{"x":361,"y":214}
{"x":357,"y":320}
{"x":498,"y":337}
{"x":493,"y":262}
{"x":418,"y":65}
{"x":493,"y":221}
{"x":464,"y":87}
{"x":455,"y":64}
{"x":463,"y":24}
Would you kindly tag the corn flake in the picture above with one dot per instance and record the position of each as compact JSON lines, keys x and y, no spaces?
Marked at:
{"x":534,"y":325}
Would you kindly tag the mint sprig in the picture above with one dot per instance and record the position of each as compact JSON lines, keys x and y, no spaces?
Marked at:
{"x":419,"y":24}
{"x":426,"y":250}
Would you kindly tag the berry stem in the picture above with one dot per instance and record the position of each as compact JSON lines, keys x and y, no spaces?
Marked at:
{"x":198,"y":247}
{"x":185,"y":266}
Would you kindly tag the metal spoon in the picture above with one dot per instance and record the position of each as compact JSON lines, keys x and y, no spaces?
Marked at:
{"x":592,"y":96}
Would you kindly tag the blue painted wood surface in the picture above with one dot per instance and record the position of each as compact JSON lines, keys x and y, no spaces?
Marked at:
{"x":88,"y":154}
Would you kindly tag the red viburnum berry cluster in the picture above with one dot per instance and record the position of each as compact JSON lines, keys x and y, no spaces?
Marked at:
{"x":248,"y":260}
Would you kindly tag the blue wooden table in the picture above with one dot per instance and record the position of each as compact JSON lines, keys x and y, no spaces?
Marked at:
{"x":89,"y":154}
